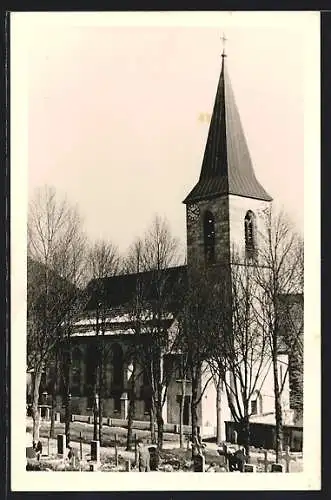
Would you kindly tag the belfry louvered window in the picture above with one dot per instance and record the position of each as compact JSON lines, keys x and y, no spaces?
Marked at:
{"x":209,"y":237}
{"x":250,"y":234}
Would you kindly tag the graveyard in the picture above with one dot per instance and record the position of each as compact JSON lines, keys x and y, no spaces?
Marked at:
{"x":88,"y":456}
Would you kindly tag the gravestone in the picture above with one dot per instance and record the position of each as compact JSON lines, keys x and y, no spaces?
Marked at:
{"x":235,"y":437}
{"x":30,"y":452}
{"x":57,"y":416}
{"x":154,"y":458}
{"x":276,"y":468}
{"x":199,"y":463}
{"x":95,"y":451}
{"x":249,"y":468}
{"x":39,"y":449}
{"x":128,"y":465}
{"x":61,"y":444}
{"x":223,"y":459}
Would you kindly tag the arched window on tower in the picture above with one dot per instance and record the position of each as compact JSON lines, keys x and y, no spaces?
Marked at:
{"x":250,"y":234}
{"x":209,"y":237}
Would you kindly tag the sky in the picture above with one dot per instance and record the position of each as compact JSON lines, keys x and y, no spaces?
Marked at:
{"x":114,"y":115}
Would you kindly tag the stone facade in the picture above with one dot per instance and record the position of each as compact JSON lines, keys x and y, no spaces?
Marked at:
{"x":219,"y":207}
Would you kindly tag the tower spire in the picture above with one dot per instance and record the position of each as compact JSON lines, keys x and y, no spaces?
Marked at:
{"x":227,"y":166}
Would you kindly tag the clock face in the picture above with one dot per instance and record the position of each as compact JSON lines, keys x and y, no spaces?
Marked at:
{"x":193,"y":212}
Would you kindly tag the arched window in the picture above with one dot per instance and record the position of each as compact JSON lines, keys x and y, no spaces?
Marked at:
{"x":256,"y":404}
{"x":76,"y":371}
{"x":118,"y":372}
{"x":250,"y":234}
{"x":209,"y":237}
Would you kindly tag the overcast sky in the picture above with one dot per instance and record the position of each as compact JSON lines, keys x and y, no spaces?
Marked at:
{"x":114,"y":115}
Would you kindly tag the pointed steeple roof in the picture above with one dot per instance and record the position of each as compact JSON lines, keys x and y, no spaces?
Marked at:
{"x":227,"y":166}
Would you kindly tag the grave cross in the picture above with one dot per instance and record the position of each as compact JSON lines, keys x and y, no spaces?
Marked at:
{"x":288,"y":458}
{"x":265,"y":461}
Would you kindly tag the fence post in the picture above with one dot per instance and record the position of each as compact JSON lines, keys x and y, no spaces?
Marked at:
{"x":135,"y":449}
{"x":81,"y":445}
{"x":48,"y":446}
{"x":116,"y":451}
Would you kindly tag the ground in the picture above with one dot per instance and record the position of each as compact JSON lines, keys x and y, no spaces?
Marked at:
{"x":172,"y":458}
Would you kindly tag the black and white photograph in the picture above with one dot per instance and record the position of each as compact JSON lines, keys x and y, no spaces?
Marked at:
{"x":165,"y":250}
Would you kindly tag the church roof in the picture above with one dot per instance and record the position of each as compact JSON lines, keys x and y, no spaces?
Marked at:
{"x":227,"y":166}
{"x":120,"y":291}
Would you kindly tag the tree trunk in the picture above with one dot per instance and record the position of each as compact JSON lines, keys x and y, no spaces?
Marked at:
{"x":100,"y":420}
{"x":132,"y":408}
{"x":152,"y":423}
{"x":246,"y":428}
{"x":35,"y":410}
{"x":160,"y":425}
{"x":67,"y":396}
{"x":278,"y":410}
{"x":101,"y":386}
{"x":219,"y":411}
{"x":53,"y":410}
{"x":53,"y":398}
{"x":194,"y":413}
{"x":95,"y":406}
{"x":181,"y":415}
{"x":67,"y":417}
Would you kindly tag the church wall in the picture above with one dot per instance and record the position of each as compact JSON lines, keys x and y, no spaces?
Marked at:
{"x":208,"y":401}
{"x":173,"y":404}
{"x":81,"y":399}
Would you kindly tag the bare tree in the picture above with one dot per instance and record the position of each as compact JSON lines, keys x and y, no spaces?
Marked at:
{"x":134,"y":264}
{"x":103,"y":261}
{"x":55,"y":262}
{"x":161,"y":252}
{"x":240,"y":358}
{"x":151,"y":316}
{"x":197,"y":333}
{"x":281,"y":251}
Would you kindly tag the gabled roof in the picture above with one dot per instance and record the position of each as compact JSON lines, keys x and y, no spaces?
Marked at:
{"x":227,"y":167}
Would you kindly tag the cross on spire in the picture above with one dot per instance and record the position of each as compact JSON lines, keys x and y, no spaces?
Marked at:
{"x":224,"y":39}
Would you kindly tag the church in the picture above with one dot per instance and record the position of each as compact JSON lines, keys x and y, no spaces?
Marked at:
{"x":222,"y":213}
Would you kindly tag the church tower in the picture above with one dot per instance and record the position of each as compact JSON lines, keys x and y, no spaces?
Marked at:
{"x":223,"y":208}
